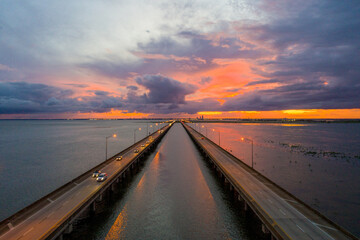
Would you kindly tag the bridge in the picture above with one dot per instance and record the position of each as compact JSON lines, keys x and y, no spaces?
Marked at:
{"x":281,"y":215}
{"x":53,"y":215}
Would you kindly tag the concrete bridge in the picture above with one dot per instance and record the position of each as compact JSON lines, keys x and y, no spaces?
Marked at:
{"x":281,"y":215}
{"x":53,"y":215}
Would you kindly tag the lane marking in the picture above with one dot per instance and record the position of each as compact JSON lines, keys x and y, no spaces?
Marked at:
{"x":288,"y":200}
{"x":282,"y":211}
{"x":50,"y":200}
{"x":299,"y":228}
{"x":76,"y":183}
{"x":27,"y":231}
{"x":50,"y":214}
{"x":42,"y":220}
{"x":270,"y":201}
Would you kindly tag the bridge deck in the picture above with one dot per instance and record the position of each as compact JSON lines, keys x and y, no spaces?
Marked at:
{"x":283,"y":214}
{"x":47,"y":218}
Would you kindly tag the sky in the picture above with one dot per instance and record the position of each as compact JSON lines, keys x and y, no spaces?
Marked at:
{"x":135,"y":59}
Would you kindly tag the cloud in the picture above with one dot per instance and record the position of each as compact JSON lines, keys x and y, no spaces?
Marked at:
{"x":131,"y":87}
{"x":164,"y":90}
{"x":22,"y":97}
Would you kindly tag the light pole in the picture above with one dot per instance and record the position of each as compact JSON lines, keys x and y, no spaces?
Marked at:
{"x":135,"y":133}
{"x":219,"y":135}
{"x":205,"y":129}
{"x":106,"y":145}
{"x":252,"y":150}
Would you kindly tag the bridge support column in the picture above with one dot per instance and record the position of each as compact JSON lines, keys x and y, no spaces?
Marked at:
{"x":99,"y":198}
{"x":69,"y":229}
{"x":264,"y":229}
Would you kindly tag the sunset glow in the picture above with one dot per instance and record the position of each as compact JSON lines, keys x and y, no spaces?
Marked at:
{"x":243,"y":60}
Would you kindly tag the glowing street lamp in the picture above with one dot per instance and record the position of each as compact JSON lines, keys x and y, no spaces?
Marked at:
{"x":106,"y":145}
{"x":205,"y":129}
{"x":252,"y":150}
{"x":219,"y":135}
{"x":135,"y":133}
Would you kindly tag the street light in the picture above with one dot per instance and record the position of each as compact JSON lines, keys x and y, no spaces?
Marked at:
{"x":252,"y":150}
{"x":205,"y":129}
{"x":219,"y":135}
{"x":135,"y":134}
{"x":106,"y":148}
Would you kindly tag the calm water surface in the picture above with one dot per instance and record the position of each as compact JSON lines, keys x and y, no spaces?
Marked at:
{"x":175,"y":196}
{"x":318,"y":163}
{"x":38,"y":156}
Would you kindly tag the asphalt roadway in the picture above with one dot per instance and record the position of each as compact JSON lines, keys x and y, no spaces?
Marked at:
{"x":284,"y":216}
{"x":43,"y":221}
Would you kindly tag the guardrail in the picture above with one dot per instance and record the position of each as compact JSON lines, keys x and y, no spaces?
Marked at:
{"x":71,"y":216}
{"x":259,"y":211}
{"x":24,"y":213}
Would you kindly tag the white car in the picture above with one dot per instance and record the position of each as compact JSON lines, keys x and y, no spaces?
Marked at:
{"x":102,"y":177}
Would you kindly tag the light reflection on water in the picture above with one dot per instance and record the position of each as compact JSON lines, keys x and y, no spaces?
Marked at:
{"x":175,"y":196}
{"x":38,"y":156}
{"x":319,"y":163}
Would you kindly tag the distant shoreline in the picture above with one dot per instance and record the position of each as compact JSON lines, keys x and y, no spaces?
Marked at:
{"x":289,"y":121}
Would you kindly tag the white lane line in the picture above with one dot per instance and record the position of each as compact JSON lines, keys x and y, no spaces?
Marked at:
{"x":299,"y":228}
{"x":288,"y":200}
{"x":76,"y":183}
{"x":282,"y":211}
{"x":50,"y":200}
{"x":27,"y":231}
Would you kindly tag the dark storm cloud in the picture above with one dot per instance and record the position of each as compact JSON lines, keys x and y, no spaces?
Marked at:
{"x":317,"y":62}
{"x":203,"y":47}
{"x":197,"y":55}
{"x":131,"y":87}
{"x":21,"y":97}
{"x":164,"y":90}
{"x":164,"y":95}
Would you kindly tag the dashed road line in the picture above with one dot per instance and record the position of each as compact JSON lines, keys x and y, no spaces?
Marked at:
{"x":282,"y":211}
{"x":50,"y":200}
{"x":27,"y":231}
{"x":300,"y":228}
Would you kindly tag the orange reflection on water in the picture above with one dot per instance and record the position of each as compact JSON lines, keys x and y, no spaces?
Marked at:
{"x":117,"y":229}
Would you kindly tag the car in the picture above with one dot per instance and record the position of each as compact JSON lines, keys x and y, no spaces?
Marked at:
{"x":147,"y":142}
{"x":142,"y":145}
{"x":119,"y":158}
{"x":102,"y":177}
{"x":96,"y":173}
{"x":136,"y":150}
{"x":202,"y":138}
